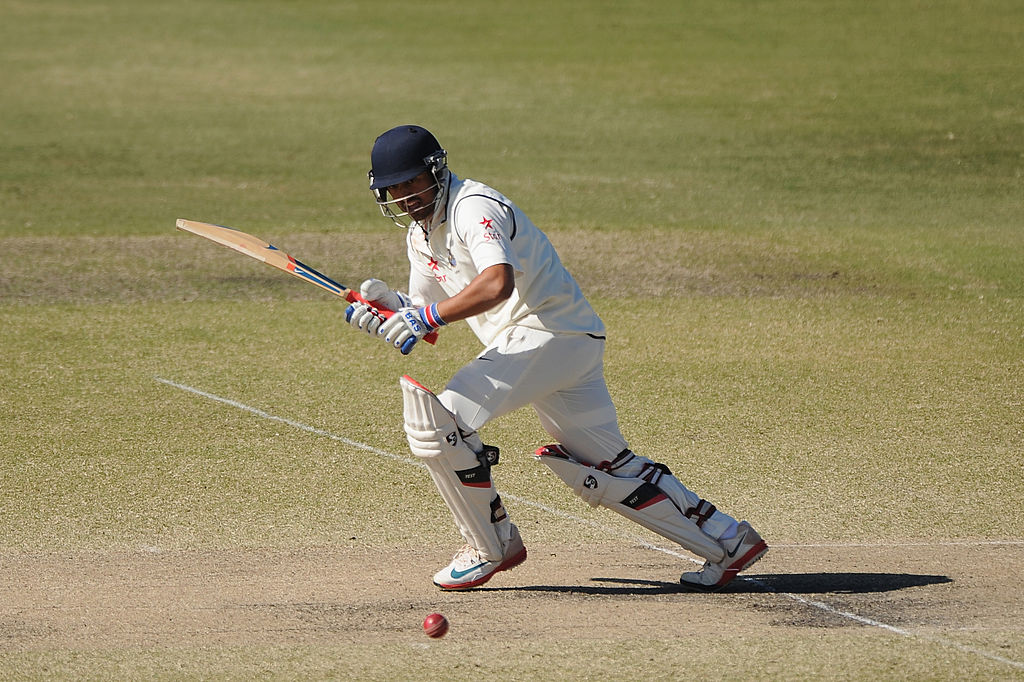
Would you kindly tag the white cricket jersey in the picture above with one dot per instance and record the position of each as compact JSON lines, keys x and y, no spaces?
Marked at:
{"x":482,"y":228}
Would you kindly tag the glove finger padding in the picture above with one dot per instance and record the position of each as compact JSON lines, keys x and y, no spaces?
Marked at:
{"x":364,"y":317}
{"x":398,"y":331}
{"x":409,"y":325}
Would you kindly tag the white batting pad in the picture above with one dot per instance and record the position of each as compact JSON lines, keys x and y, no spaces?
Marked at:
{"x":634,"y":498}
{"x":463,"y":481}
{"x":709,"y":519}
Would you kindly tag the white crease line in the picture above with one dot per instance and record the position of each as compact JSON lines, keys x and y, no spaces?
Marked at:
{"x":289,"y":422}
{"x":408,"y":460}
{"x":885,"y":626}
{"x":556,"y":512}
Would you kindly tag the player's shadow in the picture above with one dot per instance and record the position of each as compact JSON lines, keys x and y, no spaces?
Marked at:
{"x":834,"y":583}
{"x":791,"y":583}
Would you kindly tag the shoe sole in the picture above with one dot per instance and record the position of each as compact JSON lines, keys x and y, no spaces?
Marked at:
{"x":746,"y":561}
{"x":506,"y":565}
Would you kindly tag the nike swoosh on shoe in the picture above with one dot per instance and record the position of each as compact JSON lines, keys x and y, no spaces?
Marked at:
{"x":738,"y":545}
{"x":458,"y":574}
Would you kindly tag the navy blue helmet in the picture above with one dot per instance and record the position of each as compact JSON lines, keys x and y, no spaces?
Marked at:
{"x":399,"y":155}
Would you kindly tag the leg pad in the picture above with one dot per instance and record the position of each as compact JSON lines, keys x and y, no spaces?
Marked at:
{"x":463,"y":480}
{"x":635,"y":498}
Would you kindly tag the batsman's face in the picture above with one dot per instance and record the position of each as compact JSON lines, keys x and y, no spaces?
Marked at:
{"x":416,"y":196}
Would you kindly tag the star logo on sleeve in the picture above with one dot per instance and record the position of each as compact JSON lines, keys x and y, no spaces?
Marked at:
{"x":433,"y":264}
{"x":491,"y":232}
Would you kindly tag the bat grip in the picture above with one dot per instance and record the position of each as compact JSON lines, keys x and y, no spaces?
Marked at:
{"x":352,"y":296}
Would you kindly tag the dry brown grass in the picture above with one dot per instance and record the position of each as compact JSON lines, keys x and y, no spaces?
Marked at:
{"x":652,"y":263}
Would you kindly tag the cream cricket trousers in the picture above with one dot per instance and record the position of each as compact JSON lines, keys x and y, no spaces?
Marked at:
{"x":560,"y":375}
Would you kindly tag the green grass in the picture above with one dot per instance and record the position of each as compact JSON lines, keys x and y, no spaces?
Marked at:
{"x":790,"y":400}
{"x":801,"y":222}
{"x":735,"y":114}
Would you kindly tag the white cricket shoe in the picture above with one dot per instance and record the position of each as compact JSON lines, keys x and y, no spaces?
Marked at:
{"x":468,"y":569}
{"x":740,"y":552}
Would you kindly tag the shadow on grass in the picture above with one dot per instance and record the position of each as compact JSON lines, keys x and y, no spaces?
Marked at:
{"x":791,"y":583}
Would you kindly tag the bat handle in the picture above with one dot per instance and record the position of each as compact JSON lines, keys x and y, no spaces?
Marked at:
{"x":351,"y":296}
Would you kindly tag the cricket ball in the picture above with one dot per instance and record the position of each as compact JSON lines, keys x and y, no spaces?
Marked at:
{"x":435,"y":625}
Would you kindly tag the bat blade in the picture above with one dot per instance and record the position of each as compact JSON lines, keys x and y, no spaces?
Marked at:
{"x":265,"y":252}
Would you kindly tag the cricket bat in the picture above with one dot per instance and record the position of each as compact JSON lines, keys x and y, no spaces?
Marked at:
{"x":254,"y":247}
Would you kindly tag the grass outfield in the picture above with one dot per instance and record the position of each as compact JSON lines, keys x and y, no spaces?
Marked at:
{"x":801,"y":223}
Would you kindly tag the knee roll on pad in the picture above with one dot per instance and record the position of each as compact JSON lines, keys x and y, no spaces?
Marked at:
{"x":462,"y":479}
{"x":635,"y":498}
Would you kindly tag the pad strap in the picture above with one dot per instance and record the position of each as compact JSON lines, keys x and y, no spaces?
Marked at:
{"x":701,"y":513}
{"x":650,"y":472}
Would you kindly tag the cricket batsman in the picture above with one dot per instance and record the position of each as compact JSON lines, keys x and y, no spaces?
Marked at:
{"x":475,"y":256}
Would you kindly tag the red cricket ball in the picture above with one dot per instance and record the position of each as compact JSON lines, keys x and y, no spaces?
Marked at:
{"x":435,"y":625}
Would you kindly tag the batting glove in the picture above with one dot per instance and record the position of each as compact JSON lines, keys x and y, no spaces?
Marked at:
{"x":377,"y":292}
{"x":364,"y":317}
{"x":408,"y":325}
